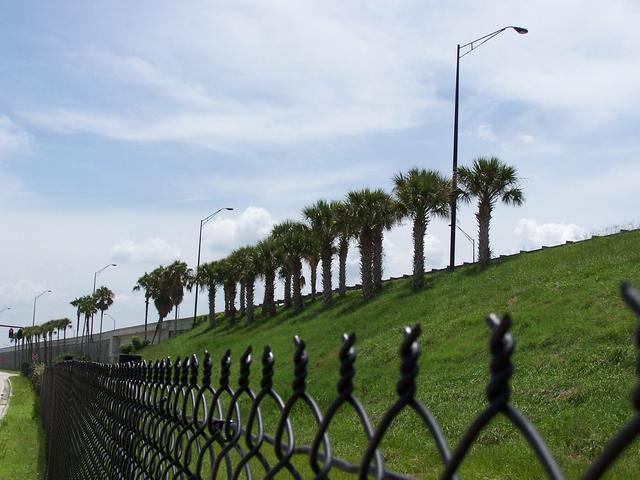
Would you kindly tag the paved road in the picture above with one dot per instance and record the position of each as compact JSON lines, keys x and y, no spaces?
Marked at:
{"x":5,"y":391}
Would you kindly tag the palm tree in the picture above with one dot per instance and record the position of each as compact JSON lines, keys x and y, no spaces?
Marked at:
{"x":489,"y":180}
{"x":247,"y":269}
{"x":63,"y":324}
{"x":229,"y":273}
{"x":346,"y":229}
{"x":180,"y":277}
{"x":294,"y":237}
{"x":268,"y":257}
{"x":210,"y":276}
{"x":324,"y":227}
{"x":87,"y":308}
{"x":363,"y":204}
{"x":312,"y":257}
{"x":386,"y":215}
{"x":104,"y":299}
{"x":421,"y":194}
{"x":144,"y":283}
{"x":161,"y":295}
{"x":77,"y":303}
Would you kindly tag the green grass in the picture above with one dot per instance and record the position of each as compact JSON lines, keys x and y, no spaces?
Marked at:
{"x":574,"y":359}
{"x":22,"y":454}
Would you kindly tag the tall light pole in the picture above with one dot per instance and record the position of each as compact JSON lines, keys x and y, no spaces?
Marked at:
{"x":203,"y":222}
{"x":461,"y":52}
{"x":472,"y":240}
{"x":5,"y":309}
{"x":114,"y":320}
{"x":95,"y":277}
{"x":33,"y":322}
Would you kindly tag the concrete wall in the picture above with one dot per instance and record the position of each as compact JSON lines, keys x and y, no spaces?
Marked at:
{"x":110,"y":345}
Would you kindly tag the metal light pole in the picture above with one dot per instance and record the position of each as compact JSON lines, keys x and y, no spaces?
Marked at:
{"x":114,"y":320}
{"x":454,"y":180}
{"x":203,"y":222}
{"x":472,"y":240}
{"x":95,"y":277}
{"x":5,"y":309}
{"x":33,"y":322}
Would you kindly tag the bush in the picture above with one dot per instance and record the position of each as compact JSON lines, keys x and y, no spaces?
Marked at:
{"x":135,"y":346}
{"x":35,"y":375}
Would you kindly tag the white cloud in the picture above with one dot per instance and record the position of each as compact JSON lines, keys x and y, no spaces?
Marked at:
{"x":232,"y":231}
{"x":12,"y":138}
{"x":21,"y":290}
{"x":150,"y":250}
{"x":486,"y":133}
{"x":532,"y":235}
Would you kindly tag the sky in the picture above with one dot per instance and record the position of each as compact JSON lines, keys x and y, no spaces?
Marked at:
{"x":122,"y":124}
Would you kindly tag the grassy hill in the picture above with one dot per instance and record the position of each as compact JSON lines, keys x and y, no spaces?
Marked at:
{"x":574,"y":358}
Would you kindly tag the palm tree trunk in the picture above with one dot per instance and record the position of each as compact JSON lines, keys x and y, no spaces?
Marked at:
{"x":419,"y":229}
{"x":212,"y":306}
{"x":297,"y":286}
{"x":484,"y":219}
{"x":326,"y":254}
{"x":269,"y":304}
{"x":243,"y":287}
{"x":64,"y":340}
{"x":78,"y":325}
{"x":314,"y":277}
{"x":157,"y":329}
{"x":249,"y":286}
{"x":146,"y":316}
{"x":377,"y":259}
{"x":287,"y":290}
{"x":99,"y":358}
{"x":365,"y":247}
{"x":343,"y":250}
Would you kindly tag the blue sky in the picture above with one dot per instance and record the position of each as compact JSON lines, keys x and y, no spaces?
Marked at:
{"x":124,"y":123}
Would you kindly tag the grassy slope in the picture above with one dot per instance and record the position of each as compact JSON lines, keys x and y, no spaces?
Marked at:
{"x":21,"y":435}
{"x":574,"y":357}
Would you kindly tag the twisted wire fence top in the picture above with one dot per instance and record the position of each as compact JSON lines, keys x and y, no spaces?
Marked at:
{"x":166,"y":420}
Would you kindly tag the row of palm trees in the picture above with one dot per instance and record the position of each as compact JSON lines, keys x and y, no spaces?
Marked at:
{"x":165,"y":286}
{"x":327,"y":230}
{"x":37,"y":339}
{"x":87,"y":306}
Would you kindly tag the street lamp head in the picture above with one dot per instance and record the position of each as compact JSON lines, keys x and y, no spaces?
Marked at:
{"x":520,"y":30}
{"x":114,"y":264}
{"x":228,"y":208}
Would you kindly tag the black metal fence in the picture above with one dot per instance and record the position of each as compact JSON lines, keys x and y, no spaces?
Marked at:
{"x":165,"y":420}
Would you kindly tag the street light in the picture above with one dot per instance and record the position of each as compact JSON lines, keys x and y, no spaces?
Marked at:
{"x":203,"y":222}
{"x":95,"y":277}
{"x":472,"y":240}
{"x":95,"y":274}
{"x":34,"y":306}
{"x":470,"y":47}
{"x":5,"y":309}
{"x":114,"y":320}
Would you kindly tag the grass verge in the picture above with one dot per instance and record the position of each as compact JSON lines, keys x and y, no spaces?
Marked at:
{"x":22,"y":447}
{"x":574,"y":358}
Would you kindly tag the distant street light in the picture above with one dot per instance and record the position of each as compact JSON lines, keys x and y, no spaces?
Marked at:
{"x":203,"y":222}
{"x":95,"y":277}
{"x":114,"y":320}
{"x":33,"y":322}
{"x":5,"y":309}
{"x":454,"y":181}
{"x":472,"y":240}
